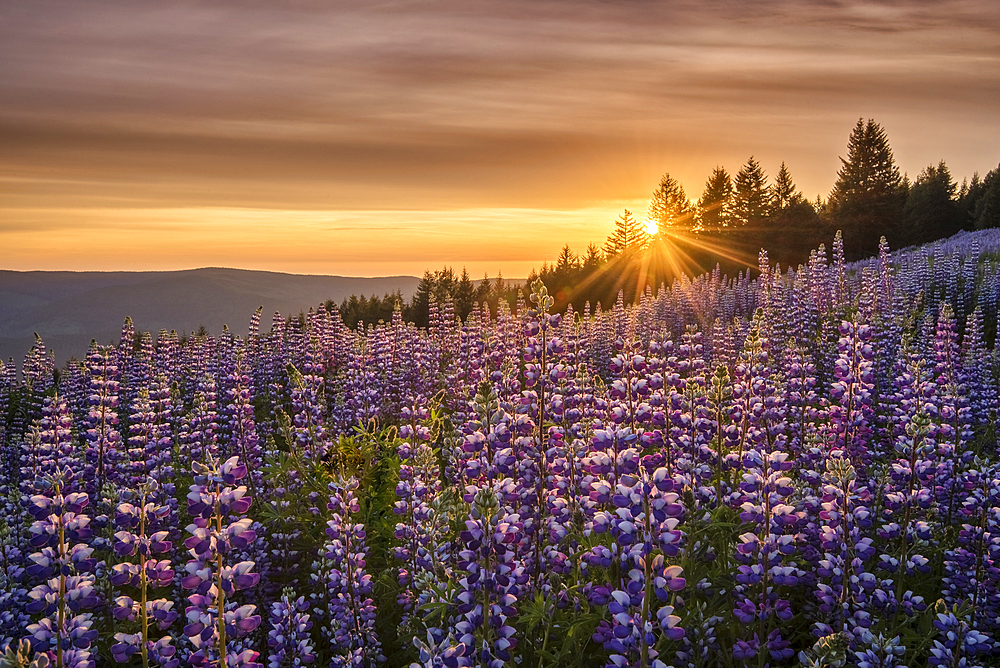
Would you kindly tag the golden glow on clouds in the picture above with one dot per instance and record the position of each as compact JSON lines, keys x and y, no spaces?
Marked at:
{"x":391,"y":136}
{"x":354,"y":243}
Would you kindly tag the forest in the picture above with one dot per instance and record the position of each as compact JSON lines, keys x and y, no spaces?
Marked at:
{"x":734,"y":218}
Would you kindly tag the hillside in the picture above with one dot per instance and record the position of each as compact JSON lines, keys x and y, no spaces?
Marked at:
{"x":68,"y":309}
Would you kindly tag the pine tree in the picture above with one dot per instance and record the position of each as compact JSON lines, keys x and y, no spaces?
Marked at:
{"x":784,"y":193}
{"x":445,"y":284}
{"x":419,"y":305}
{"x":484,"y":289}
{"x":465,"y":295}
{"x":715,"y":208}
{"x":670,"y":207}
{"x":592,"y":260}
{"x":867,"y":201}
{"x":567,"y":262}
{"x":629,"y":236}
{"x":751,"y":195}
{"x":984,"y":201}
{"x":932,"y":210}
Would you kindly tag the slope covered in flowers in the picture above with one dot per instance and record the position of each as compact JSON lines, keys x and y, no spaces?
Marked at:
{"x":795,"y":469}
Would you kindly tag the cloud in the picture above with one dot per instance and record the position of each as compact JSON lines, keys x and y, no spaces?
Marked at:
{"x":466,"y":104}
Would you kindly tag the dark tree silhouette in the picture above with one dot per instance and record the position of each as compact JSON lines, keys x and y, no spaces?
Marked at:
{"x":751,"y":196}
{"x":715,"y":208}
{"x":932,"y":210}
{"x":867,"y":200}
{"x":670,"y":207}
{"x":629,"y":236}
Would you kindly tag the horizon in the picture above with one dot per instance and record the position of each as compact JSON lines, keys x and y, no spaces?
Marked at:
{"x":325,"y":139}
{"x":264,"y":271}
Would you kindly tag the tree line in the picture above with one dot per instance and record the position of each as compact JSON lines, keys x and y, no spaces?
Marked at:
{"x":869,"y":200}
{"x":734,"y":218}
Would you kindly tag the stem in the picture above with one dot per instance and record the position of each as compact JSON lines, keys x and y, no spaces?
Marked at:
{"x":142,"y":587}
{"x":62,"y":588}
{"x":222,"y":596}
{"x":647,"y":554}
{"x":540,"y":487}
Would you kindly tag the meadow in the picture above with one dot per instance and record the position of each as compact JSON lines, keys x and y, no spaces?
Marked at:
{"x":787,"y":467}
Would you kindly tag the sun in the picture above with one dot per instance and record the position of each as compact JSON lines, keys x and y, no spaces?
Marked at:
{"x":652,"y":228}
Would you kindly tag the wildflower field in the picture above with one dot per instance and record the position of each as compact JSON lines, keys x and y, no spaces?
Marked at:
{"x":783,"y":468}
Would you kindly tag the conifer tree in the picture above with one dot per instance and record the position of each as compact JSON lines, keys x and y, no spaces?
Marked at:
{"x":784,"y":193}
{"x":715,"y":208}
{"x":867,"y":200}
{"x":629,"y":236}
{"x":592,"y":260}
{"x":983,"y":201}
{"x":751,"y":195}
{"x":670,"y":207}
{"x":932,"y":209}
{"x":421,"y":299}
{"x":465,"y":295}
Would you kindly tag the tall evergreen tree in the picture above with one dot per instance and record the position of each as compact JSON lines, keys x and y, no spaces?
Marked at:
{"x":932,"y":210}
{"x":484,"y":289}
{"x":751,"y":195}
{"x":420,"y":303}
{"x":867,"y":200}
{"x":592,"y":260}
{"x":670,"y":207}
{"x":629,"y":236}
{"x":567,"y":262}
{"x":784,"y":193}
{"x":985,"y":201}
{"x":716,"y":203}
{"x":465,"y":295}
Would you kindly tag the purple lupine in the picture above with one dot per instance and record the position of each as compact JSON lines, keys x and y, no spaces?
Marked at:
{"x":63,"y":562}
{"x":103,"y":438}
{"x":971,"y":574}
{"x":647,"y":534}
{"x":288,"y":641}
{"x":851,"y":408}
{"x":765,"y":573}
{"x":241,"y":425}
{"x":957,"y":644}
{"x":135,"y":539}
{"x":213,"y":618}
{"x":308,"y":429}
{"x":954,"y":415}
{"x":39,"y":377}
{"x":419,"y":484}
{"x":352,"y":610}
{"x":845,"y":583}
{"x":487,"y":594}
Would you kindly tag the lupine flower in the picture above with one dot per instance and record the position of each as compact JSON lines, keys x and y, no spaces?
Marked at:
{"x":132,"y":540}
{"x":213,"y":499}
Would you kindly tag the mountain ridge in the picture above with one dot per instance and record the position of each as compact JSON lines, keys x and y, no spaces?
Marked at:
{"x":69,"y":309}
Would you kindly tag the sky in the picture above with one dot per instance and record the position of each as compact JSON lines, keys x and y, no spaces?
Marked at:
{"x":384,"y":138}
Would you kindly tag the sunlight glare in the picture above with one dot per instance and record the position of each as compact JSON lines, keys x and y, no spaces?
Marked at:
{"x":652,"y":228}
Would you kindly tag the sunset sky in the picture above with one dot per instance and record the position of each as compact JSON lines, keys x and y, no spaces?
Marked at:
{"x":379,"y":138}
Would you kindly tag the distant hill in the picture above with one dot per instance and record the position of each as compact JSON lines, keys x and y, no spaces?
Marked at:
{"x":68,"y":308}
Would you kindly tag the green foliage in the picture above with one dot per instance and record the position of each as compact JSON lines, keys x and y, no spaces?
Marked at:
{"x":372,"y":309}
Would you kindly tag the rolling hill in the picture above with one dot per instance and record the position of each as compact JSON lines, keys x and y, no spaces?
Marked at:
{"x":68,"y":309}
